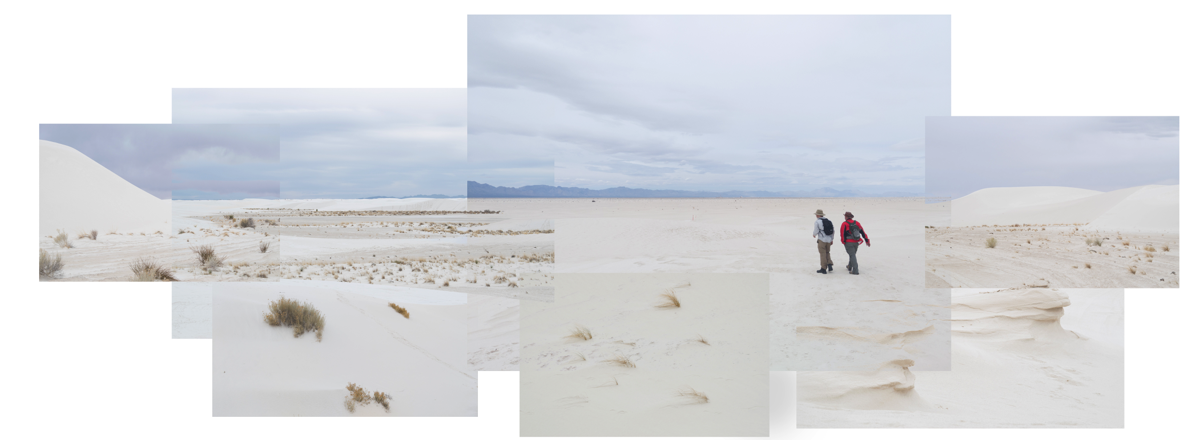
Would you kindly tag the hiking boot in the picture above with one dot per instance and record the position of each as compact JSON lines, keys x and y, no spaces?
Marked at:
{"x":822,"y":270}
{"x":854,"y":273}
{"x":829,"y":268}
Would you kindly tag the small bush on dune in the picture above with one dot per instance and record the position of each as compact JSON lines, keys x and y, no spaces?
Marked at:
{"x":208,"y":257}
{"x":621,"y":360}
{"x":1166,"y":248}
{"x":360,"y":397}
{"x":291,"y":313}
{"x":1095,"y":242}
{"x":62,"y":241}
{"x":264,"y":246}
{"x":246,"y":223}
{"x":398,"y":309}
{"x":1087,"y":265}
{"x":991,"y":242}
{"x":669,"y":300}
{"x":1150,"y":248}
{"x":692,"y":394}
{"x":49,"y":265}
{"x":580,"y":332}
{"x":145,"y":269}
{"x":1133,"y":270}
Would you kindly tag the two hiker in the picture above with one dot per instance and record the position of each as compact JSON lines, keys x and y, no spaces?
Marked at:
{"x":852,"y":236}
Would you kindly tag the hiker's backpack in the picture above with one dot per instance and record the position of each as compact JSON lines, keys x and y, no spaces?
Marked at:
{"x":855,"y":231}
{"x":827,"y":227}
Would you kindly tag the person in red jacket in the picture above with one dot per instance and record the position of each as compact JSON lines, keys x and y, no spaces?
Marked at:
{"x":853,"y":235}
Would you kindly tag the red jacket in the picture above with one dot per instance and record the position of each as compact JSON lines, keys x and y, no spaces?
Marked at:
{"x":846,"y":231}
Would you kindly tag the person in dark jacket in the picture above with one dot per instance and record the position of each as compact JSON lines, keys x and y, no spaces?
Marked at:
{"x":853,"y":235}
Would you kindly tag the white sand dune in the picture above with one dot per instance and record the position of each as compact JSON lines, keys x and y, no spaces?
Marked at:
{"x":569,"y":387}
{"x":259,"y":370}
{"x":78,"y":194}
{"x":494,"y":337}
{"x":1151,"y":208}
{"x":1022,"y":358}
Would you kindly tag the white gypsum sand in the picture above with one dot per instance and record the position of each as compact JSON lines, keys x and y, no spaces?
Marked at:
{"x":494,"y":336}
{"x":638,"y":367}
{"x":1022,"y":358}
{"x":260,"y":370}
{"x":772,"y":236}
{"x":1058,"y":237}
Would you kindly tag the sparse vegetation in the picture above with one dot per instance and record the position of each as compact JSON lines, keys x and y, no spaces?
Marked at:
{"x":246,"y":223}
{"x":62,"y":240}
{"x":1087,"y":265}
{"x":1133,"y":270}
{"x":291,"y":313}
{"x":208,"y":257}
{"x":398,"y":309}
{"x":580,"y":332}
{"x":621,"y":360}
{"x":701,"y":340}
{"x":691,"y":394}
{"x":991,"y":242}
{"x":49,"y":265}
{"x":264,"y":246}
{"x":360,"y":397}
{"x":670,"y":300}
{"x":1095,"y":242}
{"x":145,"y":269}
{"x":87,"y":234}
{"x":1166,"y":248}
{"x":1150,"y":248}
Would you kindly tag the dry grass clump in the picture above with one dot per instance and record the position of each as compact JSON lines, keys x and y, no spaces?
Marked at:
{"x":62,"y":241}
{"x":246,"y":223}
{"x":145,"y":269}
{"x":264,"y":246}
{"x":360,"y":397}
{"x":580,"y":332}
{"x":1095,"y":242}
{"x":398,"y":309}
{"x":701,"y":340}
{"x":621,"y":360}
{"x":693,"y":395}
{"x":208,"y":257}
{"x":301,"y":317}
{"x":1087,"y":265}
{"x":669,"y":300}
{"x":1150,"y":248}
{"x":1166,"y":248}
{"x":1133,"y":270}
{"x":88,"y":234}
{"x":991,"y":242}
{"x":49,"y":265}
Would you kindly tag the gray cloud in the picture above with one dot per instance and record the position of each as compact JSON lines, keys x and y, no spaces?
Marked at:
{"x":721,"y":94}
{"x":349,"y":143}
{"x":965,"y":154}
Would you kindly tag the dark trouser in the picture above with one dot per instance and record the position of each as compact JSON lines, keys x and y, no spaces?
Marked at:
{"x":823,"y":248}
{"x":852,"y":249}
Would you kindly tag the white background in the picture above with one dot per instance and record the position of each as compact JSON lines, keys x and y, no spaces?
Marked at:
{"x":87,"y":360}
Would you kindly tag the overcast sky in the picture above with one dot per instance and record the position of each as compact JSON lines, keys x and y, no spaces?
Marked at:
{"x":180,"y":161}
{"x":966,"y":154}
{"x":706,"y":102}
{"x":349,"y":143}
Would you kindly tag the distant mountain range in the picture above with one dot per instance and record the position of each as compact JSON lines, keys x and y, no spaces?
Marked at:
{"x":483,"y":190}
{"x":419,"y":196}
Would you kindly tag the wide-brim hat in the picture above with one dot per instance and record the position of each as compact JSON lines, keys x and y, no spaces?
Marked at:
{"x":819,"y":212}
{"x":848,"y":214}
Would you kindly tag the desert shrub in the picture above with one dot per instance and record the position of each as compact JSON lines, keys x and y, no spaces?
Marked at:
{"x":398,"y":309}
{"x":1095,"y":242}
{"x":145,"y":269}
{"x":361,"y":397}
{"x":264,"y":246}
{"x":1133,"y":270}
{"x":1125,"y":242}
{"x":49,"y":265}
{"x":1166,"y":248}
{"x":208,"y":257}
{"x":62,"y":240}
{"x":246,"y":223}
{"x":621,"y":360}
{"x":1150,"y":248}
{"x":701,"y":340}
{"x":691,"y":394}
{"x":669,"y":300}
{"x":580,"y":332}
{"x":291,"y":313}
{"x":991,"y":242}
{"x":1087,"y":265}
{"x":228,"y":216}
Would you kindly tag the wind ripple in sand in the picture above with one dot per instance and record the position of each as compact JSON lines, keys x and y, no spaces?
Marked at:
{"x":900,"y":338}
{"x":890,"y":387}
